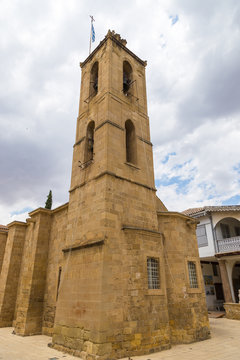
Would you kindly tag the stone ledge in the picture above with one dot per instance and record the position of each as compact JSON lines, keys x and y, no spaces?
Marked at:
{"x":83,"y":245}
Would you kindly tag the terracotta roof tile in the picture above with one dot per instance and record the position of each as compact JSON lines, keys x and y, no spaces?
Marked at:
{"x":194,"y":211}
{"x":3,"y":227}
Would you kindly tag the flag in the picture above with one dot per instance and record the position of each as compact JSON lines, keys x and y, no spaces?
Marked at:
{"x":93,"y":34}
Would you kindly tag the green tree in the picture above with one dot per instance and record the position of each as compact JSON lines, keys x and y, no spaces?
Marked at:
{"x":48,"y":204}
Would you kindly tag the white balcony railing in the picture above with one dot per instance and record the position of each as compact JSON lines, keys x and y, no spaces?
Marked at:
{"x":229,"y":244}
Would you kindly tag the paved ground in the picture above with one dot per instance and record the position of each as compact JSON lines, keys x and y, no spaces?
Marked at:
{"x":223,"y":345}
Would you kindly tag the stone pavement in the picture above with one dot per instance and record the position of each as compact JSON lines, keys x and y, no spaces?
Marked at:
{"x":13,"y":347}
{"x":223,"y":345}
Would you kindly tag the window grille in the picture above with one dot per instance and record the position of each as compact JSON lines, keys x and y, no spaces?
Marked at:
{"x":192,"y":274}
{"x":153,"y":273}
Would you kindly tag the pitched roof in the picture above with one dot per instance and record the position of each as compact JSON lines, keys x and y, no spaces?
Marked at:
{"x":195,"y":211}
{"x":3,"y":228}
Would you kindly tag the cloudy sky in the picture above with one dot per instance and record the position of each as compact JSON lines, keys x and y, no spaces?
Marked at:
{"x":193,"y":83}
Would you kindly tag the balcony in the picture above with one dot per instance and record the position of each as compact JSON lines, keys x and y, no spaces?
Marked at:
{"x":229,"y":245}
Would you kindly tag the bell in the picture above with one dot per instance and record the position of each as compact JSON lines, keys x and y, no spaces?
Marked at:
{"x":126,"y":85}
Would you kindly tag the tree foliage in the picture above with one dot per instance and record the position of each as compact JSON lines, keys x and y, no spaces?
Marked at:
{"x":48,"y":204}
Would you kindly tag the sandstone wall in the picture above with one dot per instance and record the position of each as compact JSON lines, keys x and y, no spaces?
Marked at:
{"x":55,"y":271}
{"x":104,"y":306}
{"x":9,"y":277}
{"x":187,"y":309}
{"x":3,"y":240}
{"x":31,"y":289}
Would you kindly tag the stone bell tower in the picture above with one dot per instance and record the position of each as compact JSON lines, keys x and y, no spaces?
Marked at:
{"x":105,"y":307}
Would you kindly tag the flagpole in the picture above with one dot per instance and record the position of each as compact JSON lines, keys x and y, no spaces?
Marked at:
{"x":90,"y":44}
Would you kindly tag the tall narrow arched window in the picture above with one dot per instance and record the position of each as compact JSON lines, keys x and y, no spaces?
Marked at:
{"x":127,"y":77}
{"x":89,"y":144}
{"x":94,"y":80}
{"x":131,"y":145}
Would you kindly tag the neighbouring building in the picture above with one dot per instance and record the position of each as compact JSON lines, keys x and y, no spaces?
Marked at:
{"x":112,"y":273}
{"x":218,"y":236}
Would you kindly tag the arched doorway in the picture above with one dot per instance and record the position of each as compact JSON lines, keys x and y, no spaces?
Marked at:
{"x":236,"y":280}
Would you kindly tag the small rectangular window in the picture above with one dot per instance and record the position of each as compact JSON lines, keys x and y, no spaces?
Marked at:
{"x":192,"y":274}
{"x":153,"y":273}
{"x":59,"y":280}
{"x":202,"y":236}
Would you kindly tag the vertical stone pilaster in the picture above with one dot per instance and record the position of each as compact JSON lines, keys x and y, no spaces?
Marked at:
{"x":225,"y":281}
{"x":3,"y":240}
{"x":10,"y":271}
{"x":34,"y":268}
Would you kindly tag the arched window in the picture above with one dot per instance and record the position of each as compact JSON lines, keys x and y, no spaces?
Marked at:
{"x":131,"y":146}
{"x":127,"y":77}
{"x":94,"y":80}
{"x":89,"y":144}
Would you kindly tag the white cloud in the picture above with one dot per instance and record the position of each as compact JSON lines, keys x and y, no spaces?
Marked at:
{"x":193,"y":94}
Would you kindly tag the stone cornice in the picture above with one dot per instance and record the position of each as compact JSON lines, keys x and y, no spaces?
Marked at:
{"x":16,"y":223}
{"x":117,"y":177}
{"x":189,"y":219}
{"x":135,"y":228}
{"x":40,"y":210}
{"x":115,"y":38}
{"x":83,"y":245}
{"x":60,"y":208}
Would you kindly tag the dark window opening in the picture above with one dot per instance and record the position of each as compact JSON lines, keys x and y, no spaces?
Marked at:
{"x":219,"y":291}
{"x":89,"y":146}
{"x":59,"y":281}
{"x":131,"y":151}
{"x":215,"y":270}
{"x":127,"y":77}
{"x":94,"y":80}
{"x":225,"y":231}
{"x":237,"y":230}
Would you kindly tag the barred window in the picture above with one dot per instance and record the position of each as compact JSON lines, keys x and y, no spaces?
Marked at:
{"x":192,"y":274}
{"x":153,"y":273}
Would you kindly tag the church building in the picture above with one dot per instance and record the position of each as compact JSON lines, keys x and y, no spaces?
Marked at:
{"x":112,"y":273}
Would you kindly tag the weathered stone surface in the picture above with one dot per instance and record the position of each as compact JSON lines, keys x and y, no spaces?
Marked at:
{"x":232,"y":311}
{"x":10,"y":271}
{"x":3,"y":241}
{"x":84,"y":276}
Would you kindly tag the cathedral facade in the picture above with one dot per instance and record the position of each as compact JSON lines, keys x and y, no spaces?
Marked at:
{"x":112,"y":273}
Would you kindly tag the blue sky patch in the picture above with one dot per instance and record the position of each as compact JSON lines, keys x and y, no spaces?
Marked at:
{"x":181,"y":184}
{"x":234,"y":200}
{"x":174,"y":19}
{"x":165,"y":160}
{"x":237,"y":168}
{"x":22,"y":211}
{"x":179,"y":166}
